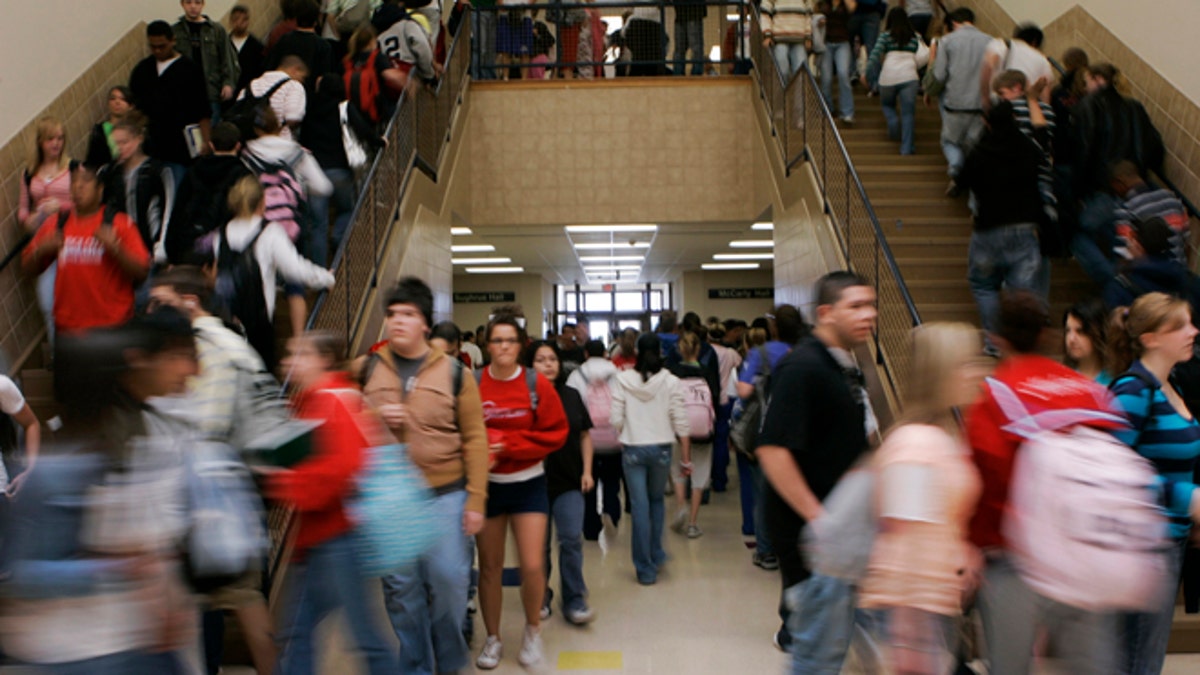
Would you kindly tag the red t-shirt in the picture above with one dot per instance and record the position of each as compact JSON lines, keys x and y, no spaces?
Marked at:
{"x":528,"y":436}
{"x":91,"y":290}
{"x":623,"y":362}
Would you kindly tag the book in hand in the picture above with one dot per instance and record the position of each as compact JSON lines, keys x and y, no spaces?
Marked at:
{"x":195,"y":140}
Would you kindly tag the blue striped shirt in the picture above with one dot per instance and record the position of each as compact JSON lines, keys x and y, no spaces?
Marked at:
{"x":1166,"y":438}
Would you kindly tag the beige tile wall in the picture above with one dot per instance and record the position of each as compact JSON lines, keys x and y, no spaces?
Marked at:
{"x":80,"y":105}
{"x":1174,"y":114}
{"x":611,"y":152}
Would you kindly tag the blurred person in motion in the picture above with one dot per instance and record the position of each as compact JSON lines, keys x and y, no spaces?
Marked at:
{"x":594,"y":381}
{"x":568,"y":477}
{"x":101,"y":147}
{"x":648,"y":412}
{"x":624,"y":356}
{"x":1148,"y":339}
{"x":14,"y":407}
{"x":922,"y":566}
{"x":325,"y":573}
{"x":202,"y":203}
{"x":1085,"y":340}
{"x":728,"y":361}
{"x":141,"y":187}
{"x":817,"y":425}
{"x":430,"y":402}
{"x":525,"y":423}
{"x":93,"y":579}
{"x":1011,"y":611}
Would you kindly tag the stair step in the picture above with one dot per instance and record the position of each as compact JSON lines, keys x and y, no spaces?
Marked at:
{"x":37,"y":383}
{"x":890,"y":208}
{"x":864,"y":145}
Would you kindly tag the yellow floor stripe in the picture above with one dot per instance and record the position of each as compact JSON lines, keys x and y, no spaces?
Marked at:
{"x":590,"y":661}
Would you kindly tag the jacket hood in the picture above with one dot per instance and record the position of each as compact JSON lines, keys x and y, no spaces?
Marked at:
{"x":598,"y":369}
{"x":275,"y":148}
{"x":631,"y":380}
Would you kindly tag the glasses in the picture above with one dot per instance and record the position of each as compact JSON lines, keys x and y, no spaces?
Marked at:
{"x":504,"y":341}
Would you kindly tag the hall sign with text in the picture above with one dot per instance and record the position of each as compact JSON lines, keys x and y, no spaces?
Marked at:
{"x":741,"y":293}
{"x":489,"y":296}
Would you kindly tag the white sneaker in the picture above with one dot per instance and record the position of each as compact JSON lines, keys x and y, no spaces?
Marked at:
{"x":531,"y":648}
{"x":489,"y":656}
{"x":580,"y":617}
{"x":680,"y":520}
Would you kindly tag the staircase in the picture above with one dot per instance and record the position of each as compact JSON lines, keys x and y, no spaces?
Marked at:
{"x":928,"y":232}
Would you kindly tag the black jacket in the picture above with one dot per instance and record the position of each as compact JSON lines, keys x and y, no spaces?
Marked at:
{"x":251,"y":59}
{"x":98,"y":152}
{"x":1152,"y":274}
{"x":1109,"y":128}
{"x":201,"y":205}
{"x":172,"y":101}
{"x":322,"y":131}
{"x":154,"y":194}
{"x":1002,"y":172}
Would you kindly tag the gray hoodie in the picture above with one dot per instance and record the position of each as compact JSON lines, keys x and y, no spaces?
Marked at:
{"x":650,"y":412}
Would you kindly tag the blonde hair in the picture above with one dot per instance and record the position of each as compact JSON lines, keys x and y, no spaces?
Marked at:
{"x":756,"y":337}
{"x":1149,"y":313}
{"x":689,"y":346}
{"x":939,"y":351}
{"x":46,"y":127}
{"x":245,"y":197}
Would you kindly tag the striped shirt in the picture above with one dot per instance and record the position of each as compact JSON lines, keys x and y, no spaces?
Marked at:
{"x":1143,"y":203}
{"x":1160,"y":434}
{"x":212,"y":393}
{"x":1046,"y":167}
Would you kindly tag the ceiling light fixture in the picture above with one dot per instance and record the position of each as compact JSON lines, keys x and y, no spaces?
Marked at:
{"x":579,"y":229}
{"x":752,"y":243}
{"x":613,"y":268}
{"x":472,"y":248}
{"x":461,"y":232}
{"x":481,"y":261}
{"x":611,"y":258}
{"x":494,"y":270}
{"x":744,"y":256}
{"x":729,"y":266}
{"x":604,"y":246}
{"x":763,"y":227}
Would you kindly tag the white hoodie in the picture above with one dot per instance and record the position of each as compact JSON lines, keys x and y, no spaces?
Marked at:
{"x":594,"y":369}
{"x":650,"y":412}
{"x":276,"y":254}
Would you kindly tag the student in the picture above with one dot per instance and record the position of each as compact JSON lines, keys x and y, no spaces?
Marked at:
{"x":141,"y":187}
{"x":250,"y":50}
{"x":290,"y":98}
{"x":313,"y":50}
{"x":205,"y":42}
{"x":101,"y":147}
{"x":689,"y":369}
{"x":594,"y":380}
{"x":1085,"y":344}
{"x":202,"y":204}
{"x":45,"y":192}
{"x":13,"y":404}
{"x":898,"y":56}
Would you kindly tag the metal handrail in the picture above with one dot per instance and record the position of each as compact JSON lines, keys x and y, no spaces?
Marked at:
{"x":16,"y":250}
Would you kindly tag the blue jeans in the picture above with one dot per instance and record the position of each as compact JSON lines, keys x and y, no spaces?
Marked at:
{"x":45,"y":298}
{"x":789,"y":58}
{"x":960,"y":132}
{"x":1002,"y":257}
{"x":125,"y":663}
{"x":720,"y":467}
{"x":1092,"y":245}
{"x":689,"y":35}
{"x":864,"y":25}
{"x":566,"y":512}
{"x":342,"y":201}
{"x":485,"y":38}
{"x":838,"y":55}
{"x":327,"y":579}
{"x":427,"y":603}
{"x":901,"y":128}
{"x":646,"y":471}
{"x":821,"y":623}
{"x":1145,"y":635}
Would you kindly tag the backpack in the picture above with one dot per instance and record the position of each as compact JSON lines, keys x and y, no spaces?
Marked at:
{"x":244,"y":111}
{"x":239,"y":285}
{"x":106,"y":221}
{"x":743,"y":432}
{"x":530,"y":382}
{"x":362,"y":85}
{"x":598,"y":399}
{"x":283,"y":196}
{"x":698,"y":404}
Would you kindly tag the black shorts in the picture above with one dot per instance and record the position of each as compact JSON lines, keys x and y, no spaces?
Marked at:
{"x":528,"y":496}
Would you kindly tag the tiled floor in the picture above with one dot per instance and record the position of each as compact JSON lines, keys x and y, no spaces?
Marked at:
{"x":711,"y":613}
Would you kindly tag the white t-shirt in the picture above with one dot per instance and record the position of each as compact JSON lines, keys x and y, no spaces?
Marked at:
{"x":1023,"y":58}
{"x":11,"y":400}
{"x":163,"y":65}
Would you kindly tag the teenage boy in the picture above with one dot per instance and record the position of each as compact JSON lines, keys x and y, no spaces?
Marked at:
{"x":205,"y":42}
{"x":202,"y":204}
{"x":250,"y":50}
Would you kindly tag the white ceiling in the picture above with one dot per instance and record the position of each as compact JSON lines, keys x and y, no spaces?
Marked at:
{"x":675,"y":248}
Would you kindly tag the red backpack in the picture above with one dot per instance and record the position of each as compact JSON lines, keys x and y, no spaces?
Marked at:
{"x":362,"y":84}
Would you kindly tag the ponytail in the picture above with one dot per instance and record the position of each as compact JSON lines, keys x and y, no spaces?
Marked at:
{"x":649,"y":355}
{"x":1120,"y":344}
{"x":1147,"y":314}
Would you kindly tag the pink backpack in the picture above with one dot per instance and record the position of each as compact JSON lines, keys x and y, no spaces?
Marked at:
{"x":598,"y":399}
{"x":699,"y":406}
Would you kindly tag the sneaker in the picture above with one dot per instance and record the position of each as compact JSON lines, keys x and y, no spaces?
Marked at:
{"x":694,"y":532}
{"x":782,"y":641}
{"x":531,"y":647}
{"x":767,"y":561}
{"x":680,"y":520}
{"x":489,"y":656}
{"x":608,"y":522}
{"x":546,"y":612}
{"x":848,"y":121}
{"x":580,"y":617}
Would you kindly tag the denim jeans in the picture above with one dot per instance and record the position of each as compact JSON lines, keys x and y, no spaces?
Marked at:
{"x":720,"y":468}
{"x":960,"y":132}
{"x":427,"y":603}
{"x":864,"y":25}
{"x":1002,"y":257}
{"x":1092,"y":245}
{"x":646,"y":470}
{"x":342,"y":201}
{"x":1014,"y":616}
{"x":45,"y":298}
{"x":838,"y":55}
{"x":125,"y":663}
{"x":606,"y":469}
{"x":936,"y":639}
{"x":1145,"y":634}
{"x":566,"y":511}
{"x":485,"y":32}
{"x":821,"y":623}
{"x":689,"y":35}
{"x":327,"y":579}
{"x":789,"y":58}
{"x":901,"y":128}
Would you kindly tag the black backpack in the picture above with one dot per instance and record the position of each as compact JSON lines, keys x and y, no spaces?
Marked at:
{"x":239,"y":287}
{"x":244,"y":111}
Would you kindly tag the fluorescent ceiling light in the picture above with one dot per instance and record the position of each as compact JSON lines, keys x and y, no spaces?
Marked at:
{"x":617,"y":268}
{"x":461,"y":232}
{"x":611,"y":258}
{"x":578,"y":229}
{"x":480,"y":261}
{"x":729,"y":266}
{"x":494,"y":270}
{"x":763,"y":227}
{"x":752,"y":243}
{"x":744,"y":256}
{"x":472,"y":248}
{"x":604,"y":246}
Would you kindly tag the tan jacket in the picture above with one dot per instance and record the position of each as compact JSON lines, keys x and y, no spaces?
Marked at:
{"x":446,"y":437}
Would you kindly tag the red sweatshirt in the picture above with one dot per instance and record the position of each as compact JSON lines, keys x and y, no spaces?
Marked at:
{"x":527,"y":437}
{"x":318,"y":486}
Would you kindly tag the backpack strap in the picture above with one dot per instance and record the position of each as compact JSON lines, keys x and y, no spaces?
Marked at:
{"x":531,"y":382}
{"x":274,"y":88}
{"x":1144,"y":379}
{"x":63,"y":217}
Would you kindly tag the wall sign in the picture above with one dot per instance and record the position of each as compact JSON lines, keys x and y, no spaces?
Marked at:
{"x":487,"y":296}
{"x":741,"y":293}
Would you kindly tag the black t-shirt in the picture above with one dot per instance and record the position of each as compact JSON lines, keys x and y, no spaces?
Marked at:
{"x":197,"y":43}
{"x":406,"y":369}
{"x":171,"y":101}
{"x":813,"y":413}
{"x":311,"y":48}
{"x":564,"y":467}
